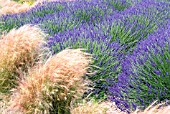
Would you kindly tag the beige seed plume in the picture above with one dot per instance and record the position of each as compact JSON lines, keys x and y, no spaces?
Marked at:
{"x":19,"y":49}
{"x":61,"y":76}
{"x":11,"y":7}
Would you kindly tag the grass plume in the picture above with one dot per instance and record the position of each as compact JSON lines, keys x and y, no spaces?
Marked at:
{"x":154,"y":109}
{"x":92,"y":107}
{"x":109,"y":108}
{"x":11,"y":7}
{"x":51,"y":87}
{"x":19,"y":49}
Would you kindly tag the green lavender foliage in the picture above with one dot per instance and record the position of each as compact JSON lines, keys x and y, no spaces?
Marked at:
{"x":133,"y":29}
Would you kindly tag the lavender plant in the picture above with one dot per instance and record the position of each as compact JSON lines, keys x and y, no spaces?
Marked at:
{"x":119,"y":5}
{"x":96,"y":43}
{"x":137,"y":22}
{"x":132,"y":30}
{"x":145,"y":73}
{"x":45,"y":14}
{"x":56,"y":17}
{"x":92,"y":15}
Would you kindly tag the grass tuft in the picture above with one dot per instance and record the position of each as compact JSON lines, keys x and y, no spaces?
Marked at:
{"x":92,"y":107}
{"x":51,"y":87}
{"x":154,"y":109}
{"x":20,"y":49}
{"x":12,"y":7}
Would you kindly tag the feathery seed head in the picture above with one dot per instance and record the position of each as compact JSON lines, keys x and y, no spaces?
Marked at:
{"x":58,"y":81}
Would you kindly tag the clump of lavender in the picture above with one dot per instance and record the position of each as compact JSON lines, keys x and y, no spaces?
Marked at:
{"x":145,"y":73}
{"x":137,"y":22}
{"x":58,"y":16}
{"x":89,"y":15}
{"x":131,"y":30}
{"x":152,"y":72}
{"x":119,"y":5}
{"x":50,"y":87}
{"x":106,"y":54}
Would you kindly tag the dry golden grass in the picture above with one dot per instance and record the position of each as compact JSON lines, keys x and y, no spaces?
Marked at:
{"x":53,"y":0}
{"x":157,"y":109}
{"x":19,"y":49}
{"x":110,"y":108}
{"x":58,"y":79}
{"x":89,"y":108}
{"x":96,"y":108}
{"x":11,"y":7}
{"x":3,"y":103}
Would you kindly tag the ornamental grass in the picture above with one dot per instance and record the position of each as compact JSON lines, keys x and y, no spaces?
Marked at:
{"x":50,"y":88}
{"x":107,"y":107}
{"x":92,"y":107}
{"x":19,"y":49}
{"x":154,"y":109}
{"x":12,"y":7}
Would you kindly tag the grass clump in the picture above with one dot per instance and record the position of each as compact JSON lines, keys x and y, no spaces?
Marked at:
{"x":51,"y":87}
{"x":92,"y":107}
{"x":154,"y":109}
{"x":12,"y":7}
{"x":30,"y":2}
{"x":20,"y":49}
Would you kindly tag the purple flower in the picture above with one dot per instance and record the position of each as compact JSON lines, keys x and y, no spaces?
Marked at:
{"x":141,"y":79}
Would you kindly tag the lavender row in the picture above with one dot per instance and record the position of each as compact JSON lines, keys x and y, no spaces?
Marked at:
{"x":145,"y":73}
